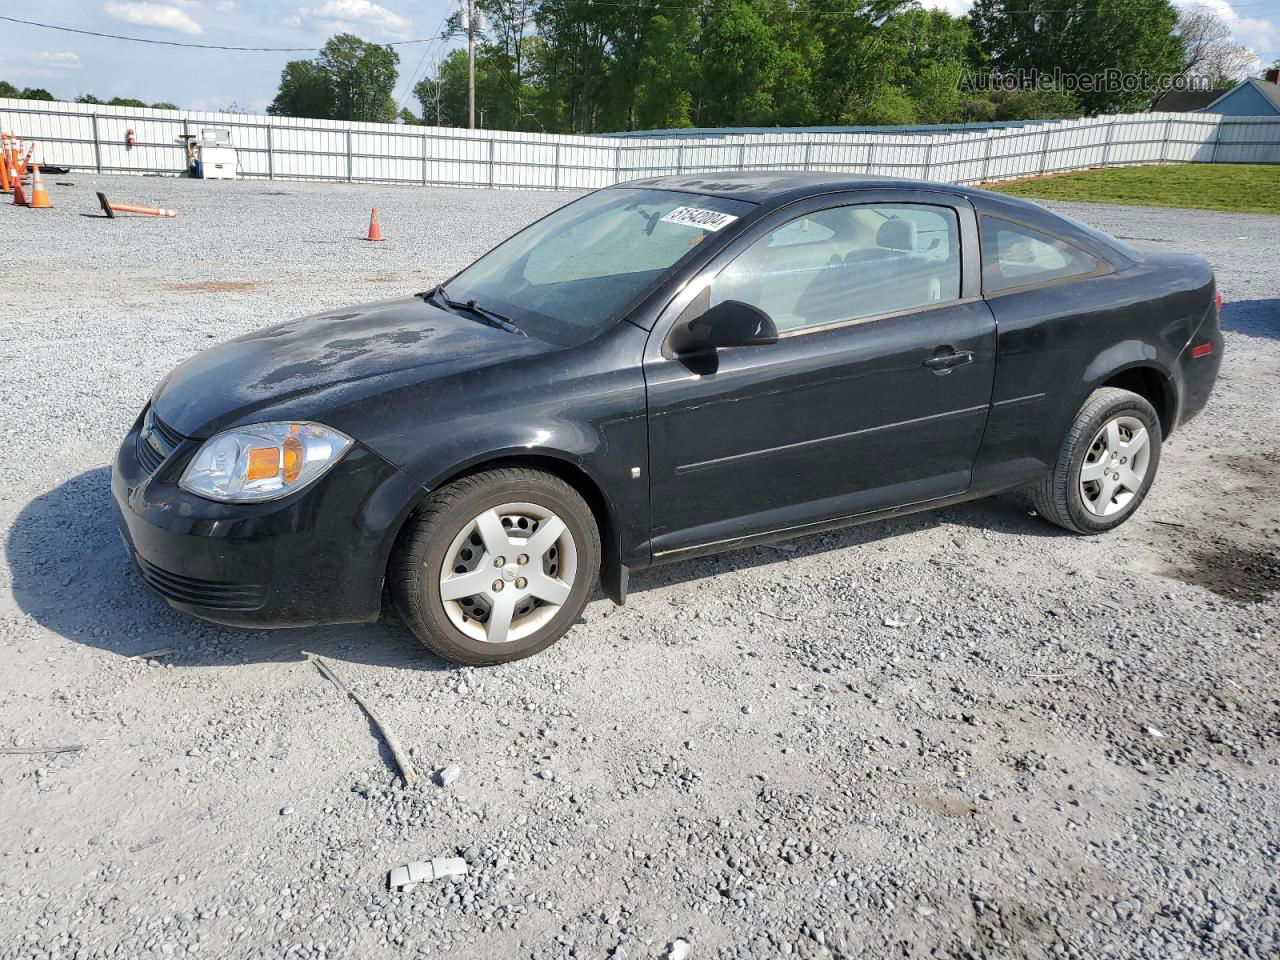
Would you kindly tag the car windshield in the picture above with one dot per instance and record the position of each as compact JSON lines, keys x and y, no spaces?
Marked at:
{"x":574,"y":273}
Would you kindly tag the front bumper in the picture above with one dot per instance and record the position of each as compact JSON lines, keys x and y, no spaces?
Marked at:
{"x":317,"y":556}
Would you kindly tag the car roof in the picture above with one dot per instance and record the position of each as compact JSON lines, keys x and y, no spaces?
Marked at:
{"x":782,"y":186}
{"x":770,"y":189}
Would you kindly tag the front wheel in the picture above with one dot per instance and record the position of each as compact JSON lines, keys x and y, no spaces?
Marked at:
{"x":1106,"y":464}
{"x":496,"y":566}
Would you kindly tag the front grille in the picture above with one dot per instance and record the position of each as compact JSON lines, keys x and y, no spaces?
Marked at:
{"x":156,"y":441}
{"x":214,"y":594}
{"x":165,"y":432}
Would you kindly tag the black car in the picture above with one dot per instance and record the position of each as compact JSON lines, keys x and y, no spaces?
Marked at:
{"x":661,"y":369}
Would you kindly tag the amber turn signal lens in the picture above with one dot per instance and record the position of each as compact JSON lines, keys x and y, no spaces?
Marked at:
{"x":292,"y":458}
{"x":264,"y":463}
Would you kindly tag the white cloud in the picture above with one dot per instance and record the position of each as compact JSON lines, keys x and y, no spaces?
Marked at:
{"x":957,"y":8}
{"x":57,"y":60}
{"x":153,"y":15}
{"x":220,"y":6}
{"x":346,"y":14}
{"x":1261,"y":36}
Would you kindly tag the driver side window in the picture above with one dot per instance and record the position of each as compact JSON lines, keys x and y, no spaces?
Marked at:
{"x":848,"y":263}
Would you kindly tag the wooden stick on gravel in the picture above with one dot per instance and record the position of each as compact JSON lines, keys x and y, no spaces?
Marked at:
{"x":75,"y":748}
{"x":393,"y":744}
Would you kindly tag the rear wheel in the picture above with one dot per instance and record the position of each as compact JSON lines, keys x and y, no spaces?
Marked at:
{"x":1106,"y":464}
{"x":496,"y":566}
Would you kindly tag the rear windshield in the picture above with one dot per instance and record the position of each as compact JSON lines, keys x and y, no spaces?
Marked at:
{"x":576,"y":272}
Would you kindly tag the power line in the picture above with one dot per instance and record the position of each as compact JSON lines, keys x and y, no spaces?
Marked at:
{"x":1237,"y":6}
{"x":422,"y":59}
{"x":1245,"y":6}
{"x":199,"y":46}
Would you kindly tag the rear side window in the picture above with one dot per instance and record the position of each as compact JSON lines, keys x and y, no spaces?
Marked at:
{"x":1016,"y":256}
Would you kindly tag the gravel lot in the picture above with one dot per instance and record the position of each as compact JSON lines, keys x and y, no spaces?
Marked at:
{"x":1065,"y":748}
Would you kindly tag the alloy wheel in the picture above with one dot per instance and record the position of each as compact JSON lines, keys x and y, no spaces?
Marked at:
{"x":1115,"y":466}
{"x":508,"y":572}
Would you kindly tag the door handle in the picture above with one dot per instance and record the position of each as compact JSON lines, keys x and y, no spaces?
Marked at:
{"x":942,"y":363}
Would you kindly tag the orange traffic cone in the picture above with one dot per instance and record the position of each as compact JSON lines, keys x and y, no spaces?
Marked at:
{"x":111,"y":209}
{"x":24,"y":163}
{"x":6,"y":162}
{"x":375,"y":230}
{"x":39,"y":195}
{"x":19,"y":195}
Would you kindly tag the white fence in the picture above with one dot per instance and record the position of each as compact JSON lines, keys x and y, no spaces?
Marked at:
{"x":93,"y":138}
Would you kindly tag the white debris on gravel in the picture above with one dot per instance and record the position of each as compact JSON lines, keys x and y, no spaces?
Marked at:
{"x":981,"y":784}
{"x":424,"y":871}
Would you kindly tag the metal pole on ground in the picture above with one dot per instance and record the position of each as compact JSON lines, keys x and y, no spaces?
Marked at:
{"x":471,"y":64}
{"x":97,"y":145}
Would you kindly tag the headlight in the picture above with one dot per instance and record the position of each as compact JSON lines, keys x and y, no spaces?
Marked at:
{"x":263,"y":461}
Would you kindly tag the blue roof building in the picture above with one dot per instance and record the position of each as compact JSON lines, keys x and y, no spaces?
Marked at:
{"x":1250,"y":98}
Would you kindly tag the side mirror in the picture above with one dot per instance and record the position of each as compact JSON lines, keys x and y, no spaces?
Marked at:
{"x":728,"y":324}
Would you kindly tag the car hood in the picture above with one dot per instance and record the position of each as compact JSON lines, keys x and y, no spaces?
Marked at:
{"x":299,"y":369}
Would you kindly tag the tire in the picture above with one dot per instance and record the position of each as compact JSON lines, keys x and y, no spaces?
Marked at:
{"x":1072,"y":495}
{"x":474,"y":522}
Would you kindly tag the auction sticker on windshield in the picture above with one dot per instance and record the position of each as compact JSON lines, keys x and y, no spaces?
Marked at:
{"x":698,"y":217}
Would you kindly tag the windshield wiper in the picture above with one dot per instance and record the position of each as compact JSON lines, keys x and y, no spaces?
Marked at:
{"x":485,"y":315}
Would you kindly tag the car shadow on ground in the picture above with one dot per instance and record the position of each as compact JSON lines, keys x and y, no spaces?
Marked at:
{"x":1253,"y":318}
{"x":70,"y":573}
{"x":1009,"y":513}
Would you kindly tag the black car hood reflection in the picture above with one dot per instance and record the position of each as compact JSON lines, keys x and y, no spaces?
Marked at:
{"x":346,"y":355}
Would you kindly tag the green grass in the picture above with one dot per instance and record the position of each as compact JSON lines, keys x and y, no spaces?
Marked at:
{"x":1231,"y":187}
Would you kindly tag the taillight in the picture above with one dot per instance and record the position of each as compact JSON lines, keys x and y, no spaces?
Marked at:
{"x":1201,"y":350}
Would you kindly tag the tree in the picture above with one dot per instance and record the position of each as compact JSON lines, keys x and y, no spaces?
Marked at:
{"x":854,"y":70}
{"x":921,"y":59}
{"x":505,"y":44}
{"x":739,"y":54}
{"x":430,"y":93}
{"x":306,"y":90}
{"x":164,"y":105}
{"x":350,"y":80}
{"x":663,"y":98}
{"x":444,"y":98}
{"x":7,"y":89}
{"x":1208,"y":52}
{"x":35,"y":93}
{"x":584,"y":66}
{"x":362,"y":76}
{"x":1003,"y":105}
{"x":1099,"y":47}
{"x":125,"y":102}
{"x":88,"y":98}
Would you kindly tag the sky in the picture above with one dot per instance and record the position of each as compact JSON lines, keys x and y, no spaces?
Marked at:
{"x":69,"y":64}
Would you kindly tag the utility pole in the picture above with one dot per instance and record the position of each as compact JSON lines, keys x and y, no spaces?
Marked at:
{"x":471,"y":63}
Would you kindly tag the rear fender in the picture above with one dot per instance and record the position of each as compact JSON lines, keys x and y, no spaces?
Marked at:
{"x":1136,"y":355}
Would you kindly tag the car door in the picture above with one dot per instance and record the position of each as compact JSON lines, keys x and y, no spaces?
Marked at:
{"x":875,"y":395}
